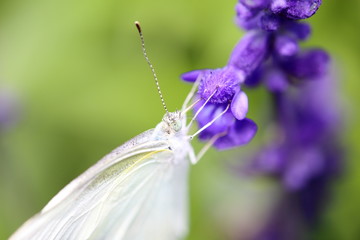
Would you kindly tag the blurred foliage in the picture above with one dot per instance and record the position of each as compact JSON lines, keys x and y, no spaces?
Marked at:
{"x":84,"y":88}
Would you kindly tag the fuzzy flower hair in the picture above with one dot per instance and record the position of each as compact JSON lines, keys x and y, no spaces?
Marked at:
{"x":221,"y":88}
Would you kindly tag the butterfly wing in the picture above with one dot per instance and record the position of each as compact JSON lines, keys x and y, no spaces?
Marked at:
{"x":135,"y":193}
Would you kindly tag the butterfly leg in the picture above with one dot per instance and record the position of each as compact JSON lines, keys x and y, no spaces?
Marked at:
{"x":200,"y":109}
{"x":191,"y":93}
{"x":192,"y":156}
{"x":210,"y":123}
{"x":207,"y":146}
{"x":195,"y":159}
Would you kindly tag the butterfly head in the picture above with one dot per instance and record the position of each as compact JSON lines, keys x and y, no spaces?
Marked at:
{"x":172,"y":122}
{"x":170,"y":126}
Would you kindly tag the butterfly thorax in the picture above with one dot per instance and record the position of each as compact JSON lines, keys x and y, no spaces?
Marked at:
{"x":171,"y":130}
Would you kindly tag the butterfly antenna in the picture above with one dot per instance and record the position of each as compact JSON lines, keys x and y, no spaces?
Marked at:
{"x":150,"y":65}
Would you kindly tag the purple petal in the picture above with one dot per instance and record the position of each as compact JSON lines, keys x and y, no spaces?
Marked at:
{"x":270,"y":22}
{"x":251,"y":23}
{"x":310,"y":64}
{"x":270,"y":159}
{"x":304,"y":165}
{"x":243,"y":12}
{"x":300,"y":30}
{"x":221,"y":124}
{"x":246,"y":17}
{"x":278,"y":5}
{"x":223,"y":83}
{"x":240,"y":133}
{"x":191,"y":76}
{"x":301,"y":9}
{"x":255,"y":78}
{"x":239,"y":105}
{"x":250,"y":52}
{"x":255,"y":3}
{"x":286,"y":46}
{"x":276,"y":80}
{"x":208,"y":113}
{"x":318,"y":111}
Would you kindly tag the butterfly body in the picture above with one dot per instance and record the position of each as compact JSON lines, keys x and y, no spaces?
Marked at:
{"x":137,"y":192}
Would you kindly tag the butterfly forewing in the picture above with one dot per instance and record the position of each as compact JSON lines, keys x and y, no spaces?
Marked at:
{"x":135,"y":192}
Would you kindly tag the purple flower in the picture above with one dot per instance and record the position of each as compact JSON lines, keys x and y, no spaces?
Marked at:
{"x":288,"y":66}
{"x":276,"y":80}
{"x":300,"y":9}
{"x":238,"y":134}
{"x":255,"y":4}
{"x":307,"y":176}
{"x":233,"y":132}
{"x":309,"y":64}
{"x":270,"y":15}
{"x":250,"y":52}
{"x":286,"y":46}
{"x":305,"y":155}
{"x":270,"y":22}
{"x":305,"y":163}
{"x":268,"y":54}
{"x":300,"y":30}
{"x":221,"y":86}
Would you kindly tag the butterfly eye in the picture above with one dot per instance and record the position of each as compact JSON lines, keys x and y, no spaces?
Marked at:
{"x":176,"y":125}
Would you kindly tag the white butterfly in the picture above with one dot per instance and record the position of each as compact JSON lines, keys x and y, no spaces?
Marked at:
{"x":137,"y":192}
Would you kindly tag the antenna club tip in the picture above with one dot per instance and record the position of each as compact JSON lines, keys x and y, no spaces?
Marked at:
{"x":137,"y":24}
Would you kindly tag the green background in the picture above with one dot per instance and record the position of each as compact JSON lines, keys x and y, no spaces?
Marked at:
{"x":84,"y":88}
